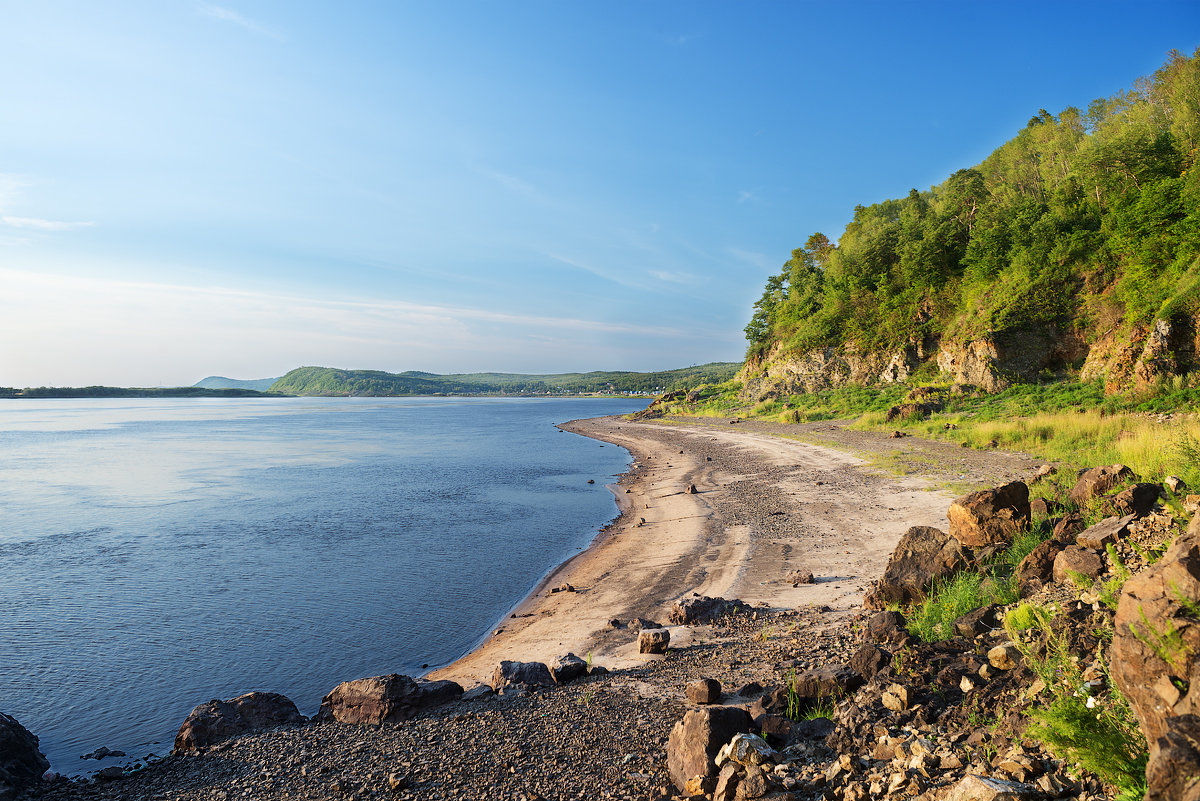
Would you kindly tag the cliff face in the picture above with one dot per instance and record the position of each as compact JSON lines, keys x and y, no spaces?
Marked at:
{"x":1132,"y":359}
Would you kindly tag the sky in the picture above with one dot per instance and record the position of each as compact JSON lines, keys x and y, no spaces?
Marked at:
{"x":193,"y":188}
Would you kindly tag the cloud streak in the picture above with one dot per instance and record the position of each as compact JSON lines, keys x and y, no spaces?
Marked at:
{"x":229,"y":15}
{"x":43,"y":225}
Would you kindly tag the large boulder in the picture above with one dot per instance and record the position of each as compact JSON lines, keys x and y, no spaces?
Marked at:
{"x":695,"y":740}
{"x":888,"y":626}
{"x":1098,"y":481}
{"x":990,"y":516}
{"x":21,"y":763}
{"x":922,"y":556}
{"x":1137,"y":500}
{"x":701,"y":609}
{"x":1156,"y":662}
{"x":1108,"y":531}
{"x":220,"y":720}
{"x":568,"y":668}
{"x":385,"y":699}
{"x":836,"y":682}
{"x":1076,"y":560}
{"x":521,"y":674}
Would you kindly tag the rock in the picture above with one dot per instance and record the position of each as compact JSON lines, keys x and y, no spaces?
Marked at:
{"x":701,"y":609}
{"x":754,"y":784}
{"x":219,"y":720}
{"x":922,"y":556}
{"x":1043,"y":507}
{"x":747,"y":749}
{"x":597,"y":670}
{"x":391,"y":698}
{"x":654,"y":641}
{"x":1036,"y":570}
{"x":991,"y":515}
{"x":983,"y":788}
{"x":111,"y":773}
{"x":1171,"y":774}
{"x":568,"y":668}
{"x":640,"y":623}
{"x":699,"y":785}
{"x":912,"y":411}
{"x":977,"y":621}
{"x":479,"y":691}
{"x":896,"y":698}
{"x":1005,"y":656}
{"x":869,"y":660}
{"x":1155,"y":636}
{"x":1044,"y":471}
{"x":1067,"y":529}
{"x":564,"y":587}
{"x":798,"y":577}
{"x":886,"y":627}
{"x":750,"y":689}
{"x":695,"y":740}
{"x":1076,"y":559}
{"x":1192,"y":503}
{"x":103,"y":752}
{"x":727,"y":783}
{"x":1108,"y":530}
{"x":523,"y":674}
{"x":826,"y":682}
{"x":21,"y":763}
{"x":703,"y":691}
{"x":1138,"y":500}
{"x":897,"y":435}
{"x":691,"y":489}
{"x":1098,"y":481}
{"x":1175,"y":484}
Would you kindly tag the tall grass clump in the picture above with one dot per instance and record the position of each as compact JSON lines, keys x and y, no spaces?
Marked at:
{"x":933,"y":619}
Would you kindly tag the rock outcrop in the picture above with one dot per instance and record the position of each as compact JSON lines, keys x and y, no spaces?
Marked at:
{"x":694,"y":742}
{"x":701,"y":609}
{"x":387,"y":699}
{"x":21,"y":763}
{"x":215,"y":721}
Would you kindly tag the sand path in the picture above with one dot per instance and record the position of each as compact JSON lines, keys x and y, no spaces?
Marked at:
{"x":764,"y":506}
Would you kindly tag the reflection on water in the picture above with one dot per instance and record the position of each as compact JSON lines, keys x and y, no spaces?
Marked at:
{"x":158,"y":553}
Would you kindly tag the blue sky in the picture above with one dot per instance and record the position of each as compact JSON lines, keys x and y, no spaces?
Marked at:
{"x":239,"y":188}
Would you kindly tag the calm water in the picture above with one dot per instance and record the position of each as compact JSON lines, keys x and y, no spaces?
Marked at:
{"x":158,"y":553}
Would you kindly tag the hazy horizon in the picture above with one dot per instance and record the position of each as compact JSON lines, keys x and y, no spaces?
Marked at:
{"x":240,"y":188}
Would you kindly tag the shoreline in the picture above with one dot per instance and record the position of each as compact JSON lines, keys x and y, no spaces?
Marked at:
{"x":764,"y":506}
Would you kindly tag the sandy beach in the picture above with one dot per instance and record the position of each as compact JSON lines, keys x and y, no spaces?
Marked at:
{"x":764,"y":506}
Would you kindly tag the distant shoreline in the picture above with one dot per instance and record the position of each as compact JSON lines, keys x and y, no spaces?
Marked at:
{"x":100,"y":393}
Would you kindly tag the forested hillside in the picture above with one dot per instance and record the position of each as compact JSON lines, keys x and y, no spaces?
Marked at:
{"x":1073,"y":242}
{"x":330,"y":381}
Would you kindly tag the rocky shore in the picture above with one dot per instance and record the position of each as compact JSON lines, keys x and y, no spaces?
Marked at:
{"x":797,"y":533}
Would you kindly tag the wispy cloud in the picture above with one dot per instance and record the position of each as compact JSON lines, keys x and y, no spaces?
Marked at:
{"x":674,"y":277}
{"x":229,"y":15}
{"x":745,"y":196}
{"x":755,"y":259}
{"x":10,"y":187}
{"x":43,"y":225}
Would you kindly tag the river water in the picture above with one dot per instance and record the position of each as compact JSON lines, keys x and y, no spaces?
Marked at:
{"x":155,"y":554}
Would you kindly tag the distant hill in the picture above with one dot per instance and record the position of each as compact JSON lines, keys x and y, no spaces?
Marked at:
{"x":221,"y":382}
{"x":331,"y":381}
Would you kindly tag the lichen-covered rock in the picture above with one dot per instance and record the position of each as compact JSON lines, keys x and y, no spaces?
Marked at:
{"x":695,"y":740}
{"x":922,"y":556}
{"x":990,"y":516}
{"x":220,"y":720}
{"x":387,"y":699}
{"x":21,"y":763}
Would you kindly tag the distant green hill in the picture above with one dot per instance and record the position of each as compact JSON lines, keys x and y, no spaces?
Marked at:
{"x":221,"y":382}
{"x":331,"y":381}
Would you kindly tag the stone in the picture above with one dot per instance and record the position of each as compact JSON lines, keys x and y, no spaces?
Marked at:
{"x":1036,"y":570}
{"x":1005,"y":656}
{"x":1107,"y":531}
{"x":1076,"y":559}
{"x":991,"y":515}
{"x":1044,"y":508}
{"x":111,"y":773}
{"x":701,"y":609}
{"x":1156,"y":636}
{"x":691,"y":489}
{"x":1175,"y":484}
{"x":976,"y":622}
{"x":749,"y":689}
{"x":826,"y":682}
{"x":695,"y":740}
{"x":896,"y":698}
{"x":912,"y":411}
{"x":922,"y":556}
{"x":1138,"y":500}
{"x":390,"y":699}
{"x":567,"y":668}
{"x":1044,"y":471}
{"x":798,"y":577}
{"x":654,"y":641}
{"x":869,"y":659}
{"x":217,"y":720}
{"x":754,"y":784}
{"x":1173,"y":772}
{"x":749,"y":749}
{"x":21,"y":763}
{"x":984,"y":788}
{"x":523,"y":674}
{"x":640,"y":623}
{"x":887,"y":627}
{"x":1097,"y":481}
{"x":1067,"y":529}
{"x":478,"y":692}
{"x":703,"y":691}
{"x":727,"y":783}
